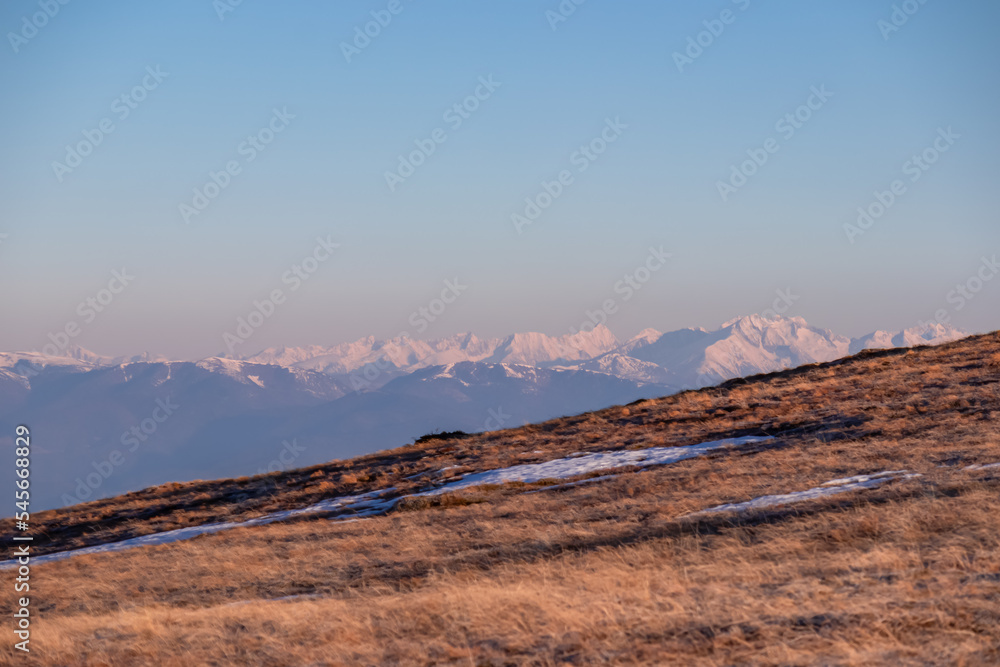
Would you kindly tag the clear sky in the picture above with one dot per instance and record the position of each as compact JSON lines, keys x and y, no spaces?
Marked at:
{"x":199,"y":80}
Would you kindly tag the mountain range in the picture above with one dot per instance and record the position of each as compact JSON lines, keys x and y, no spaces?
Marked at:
{"x":106,"y":425}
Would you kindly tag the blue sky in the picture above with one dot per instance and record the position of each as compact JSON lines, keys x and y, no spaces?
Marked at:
{"x":656,"y":185}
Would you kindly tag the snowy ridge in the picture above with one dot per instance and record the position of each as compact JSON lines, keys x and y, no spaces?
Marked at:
{"x":73,"y":357}
{"x":407,"y":354}
{"x":685,"y":358}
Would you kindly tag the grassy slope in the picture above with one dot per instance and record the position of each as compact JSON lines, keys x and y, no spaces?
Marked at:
{"x":908,"y":573}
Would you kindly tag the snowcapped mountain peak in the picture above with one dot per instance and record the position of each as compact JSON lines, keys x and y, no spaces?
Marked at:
{"x":462,"y":341}
{"x":922,"y":334}
{"x":758,"y":322}
{"x":933,"y":333}
{"x":754,"y":327}
{"x":537,"y":348}
{"x":231,"y":367}
{"x":599,"y":337}
{"x":743,"y":321}
{"x":648,"y":335}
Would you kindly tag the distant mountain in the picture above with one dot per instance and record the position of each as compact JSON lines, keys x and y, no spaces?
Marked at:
{"x":688,"y":357}
{"x":97,"y":421}
{"x":407,"y":354}
{"x":74,"y":356}
{"x":928,"y":334}
{"x":743,"y":346}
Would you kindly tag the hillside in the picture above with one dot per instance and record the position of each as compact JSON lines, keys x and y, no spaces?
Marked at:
{"x":837,"y":513}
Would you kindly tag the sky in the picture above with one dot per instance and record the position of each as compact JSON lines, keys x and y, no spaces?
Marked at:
{"x":170,"y":168}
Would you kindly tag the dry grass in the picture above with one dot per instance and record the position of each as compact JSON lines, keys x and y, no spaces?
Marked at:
{"x":605,"y":573}
{"x":904,"y":576}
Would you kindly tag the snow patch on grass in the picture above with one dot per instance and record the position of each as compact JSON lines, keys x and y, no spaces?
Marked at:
{"x":982,"y":466}
{"x":581,"y":464}
{"x":366,"y":504}
{"x":833,"y":487}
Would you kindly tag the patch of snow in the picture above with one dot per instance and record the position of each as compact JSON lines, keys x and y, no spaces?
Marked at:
{"x":365,"y":504}
{"x":830,"y":488}
{"x":982,"y":466}
{"x":863,"y":478}
{"x":571,"y":466}
{"x":157,"y":383}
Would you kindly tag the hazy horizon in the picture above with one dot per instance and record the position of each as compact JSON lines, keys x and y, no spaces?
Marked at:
{"x":251,"y":350}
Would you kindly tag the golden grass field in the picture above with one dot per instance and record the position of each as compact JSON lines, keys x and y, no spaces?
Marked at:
{"x":611,"y":572}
